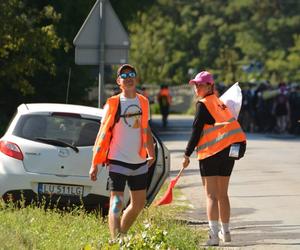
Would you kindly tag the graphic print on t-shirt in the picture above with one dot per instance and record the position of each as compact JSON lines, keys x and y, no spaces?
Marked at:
{"x":132,"y":116}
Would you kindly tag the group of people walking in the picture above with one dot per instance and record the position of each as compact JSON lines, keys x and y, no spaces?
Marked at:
{"x":217,"y":138}
{"x":271,"y":109}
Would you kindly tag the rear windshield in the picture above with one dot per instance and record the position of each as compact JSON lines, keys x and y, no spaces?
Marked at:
{"x":76,"y":131}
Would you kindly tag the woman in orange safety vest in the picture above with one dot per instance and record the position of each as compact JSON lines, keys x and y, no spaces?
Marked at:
{"x":218,"y":141}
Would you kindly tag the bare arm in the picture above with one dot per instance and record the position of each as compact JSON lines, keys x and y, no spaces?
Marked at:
{"x":150,"y":147}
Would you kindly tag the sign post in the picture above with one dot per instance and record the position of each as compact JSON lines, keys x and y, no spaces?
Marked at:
{"x":101,"y":54}
{"x":101,"y":40}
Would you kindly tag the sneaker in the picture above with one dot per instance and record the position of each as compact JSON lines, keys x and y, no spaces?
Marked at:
{"x":224,"y":237}
{"x":213,"y":239}
{"x":112,"y":242}
{"x":119,"y":238}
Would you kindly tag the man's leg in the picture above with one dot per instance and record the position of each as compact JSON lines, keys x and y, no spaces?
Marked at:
{"x":115,"y":210}
{"x":137,"y":203}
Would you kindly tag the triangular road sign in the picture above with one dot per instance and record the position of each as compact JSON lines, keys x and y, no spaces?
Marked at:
{"x":87,"y":40}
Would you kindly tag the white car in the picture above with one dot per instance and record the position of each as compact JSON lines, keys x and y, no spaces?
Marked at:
{"x":46,"y":153}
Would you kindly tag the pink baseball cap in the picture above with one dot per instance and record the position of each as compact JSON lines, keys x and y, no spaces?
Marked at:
{"x":202,"y":77}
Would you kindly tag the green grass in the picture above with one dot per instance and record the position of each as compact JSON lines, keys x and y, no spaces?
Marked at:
{"x":35,"y":228}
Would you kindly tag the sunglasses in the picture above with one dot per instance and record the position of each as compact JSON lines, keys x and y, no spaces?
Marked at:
{"x":130,"y":74}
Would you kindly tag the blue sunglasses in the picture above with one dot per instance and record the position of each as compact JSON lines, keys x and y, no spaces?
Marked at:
{"x":130,"y":74}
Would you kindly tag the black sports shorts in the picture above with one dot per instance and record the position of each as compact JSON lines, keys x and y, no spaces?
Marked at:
{"x":217,"y":165}
{"x":117,"y":182}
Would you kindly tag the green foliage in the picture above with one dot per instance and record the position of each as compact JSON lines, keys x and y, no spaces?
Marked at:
{"x":155,"y":108}
{"x":28,"y":39}
{"x":171,"y":37}
{"x":150,"y":237}
{"x":31,"y":227}
{"x":34,"y":228}
{"x":170,"y":42}
{"x":53,"y":89}
{"x":36,"y":53}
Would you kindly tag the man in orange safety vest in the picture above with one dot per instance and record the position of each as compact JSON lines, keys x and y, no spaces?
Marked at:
{"x":125,"y":119}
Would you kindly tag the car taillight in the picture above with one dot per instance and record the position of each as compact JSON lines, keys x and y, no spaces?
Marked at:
{"x":11,"y":149}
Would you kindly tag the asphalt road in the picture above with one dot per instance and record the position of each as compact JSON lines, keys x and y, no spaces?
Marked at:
{"x":264,"y":188}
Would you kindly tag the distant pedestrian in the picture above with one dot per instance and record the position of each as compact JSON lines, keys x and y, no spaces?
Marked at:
{"x":218,"y":140}
{"x":144,"y":92}
{"x":124,"y":143}
{"x":294,"y":100}
{"x":281,"y":110}
{"x":164,"y":100}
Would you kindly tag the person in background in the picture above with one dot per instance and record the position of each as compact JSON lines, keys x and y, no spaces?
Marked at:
{"x":125,"y":119}
{"x":164,"y":100}
{"x":144,"y":92}
{"x":218,"y":140}
{"x":281,"y":110}
{"x":294,"y":100}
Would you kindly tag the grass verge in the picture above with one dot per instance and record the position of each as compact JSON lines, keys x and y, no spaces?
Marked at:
{"x":35,"y":228}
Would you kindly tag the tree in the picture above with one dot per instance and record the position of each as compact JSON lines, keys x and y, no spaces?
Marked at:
{"x":27,"y":41}
{"x":170,"y":37}
{"x":28,"y":38}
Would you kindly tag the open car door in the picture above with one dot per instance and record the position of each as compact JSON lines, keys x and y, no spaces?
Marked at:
{"x":159,"y":171}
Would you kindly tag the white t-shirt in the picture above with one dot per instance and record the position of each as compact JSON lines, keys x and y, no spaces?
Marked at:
{"x":126,"y":139}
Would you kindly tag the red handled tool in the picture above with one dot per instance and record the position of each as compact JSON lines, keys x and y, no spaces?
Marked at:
{"x":168,"y":196}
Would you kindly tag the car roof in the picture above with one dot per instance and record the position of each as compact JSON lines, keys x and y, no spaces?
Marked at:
{"x":60,"y":107}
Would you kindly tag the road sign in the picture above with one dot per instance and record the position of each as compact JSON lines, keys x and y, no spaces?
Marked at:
{"x":115,"y":38}
{"x":101,"y":40}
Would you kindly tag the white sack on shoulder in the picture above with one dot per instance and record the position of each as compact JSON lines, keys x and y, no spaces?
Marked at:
{"x":232,"y":98}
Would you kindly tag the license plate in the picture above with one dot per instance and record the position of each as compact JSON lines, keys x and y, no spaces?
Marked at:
{"x":60,"y":189}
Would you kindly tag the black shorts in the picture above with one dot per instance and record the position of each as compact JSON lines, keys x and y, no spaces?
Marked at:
{"x":217,"y":165}
{"x":116,"y":182}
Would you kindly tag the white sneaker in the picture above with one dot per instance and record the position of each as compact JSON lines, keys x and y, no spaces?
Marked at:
{"x":224,"y":237}
{"x":213,"y":239}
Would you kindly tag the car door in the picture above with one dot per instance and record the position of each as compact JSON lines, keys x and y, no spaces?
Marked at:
{"x":159,"y":171}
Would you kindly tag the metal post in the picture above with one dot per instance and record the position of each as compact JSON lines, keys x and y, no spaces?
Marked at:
{"x":101,"y":54}
{"x":68,"y":87}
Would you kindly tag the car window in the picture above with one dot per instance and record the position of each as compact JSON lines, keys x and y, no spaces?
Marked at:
{"x":73,"y":130}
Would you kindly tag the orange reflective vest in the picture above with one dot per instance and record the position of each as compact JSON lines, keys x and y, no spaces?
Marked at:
{"x":102,"y":143}
{"x":166,"y":93}
{"x":223,"y":133}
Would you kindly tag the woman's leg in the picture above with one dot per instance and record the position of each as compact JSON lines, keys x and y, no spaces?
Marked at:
{"x":223,"y":199}
{"x":212,"y":210}
{"x":211,"y":189}
{"x":224,"y":208}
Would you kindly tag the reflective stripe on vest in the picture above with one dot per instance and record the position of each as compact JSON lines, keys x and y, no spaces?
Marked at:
{"x":216,"y":138}
{"x":219,"y":138}
{"x":102,"y":143}
{"x":144,"y":126}
{"x":208,"y":130}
